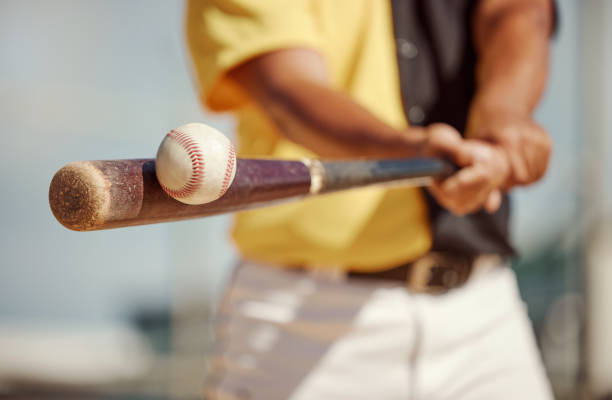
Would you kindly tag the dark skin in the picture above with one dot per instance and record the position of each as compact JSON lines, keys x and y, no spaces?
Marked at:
{"x":504,"y":146}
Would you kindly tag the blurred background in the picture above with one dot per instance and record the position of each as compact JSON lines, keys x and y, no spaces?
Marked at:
{"x":126,"y":313}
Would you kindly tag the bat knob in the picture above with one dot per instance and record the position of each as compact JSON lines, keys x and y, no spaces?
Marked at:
{"x":79,"y":196}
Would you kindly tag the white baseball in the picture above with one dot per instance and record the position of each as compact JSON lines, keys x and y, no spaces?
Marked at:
{"x":195,"y":164}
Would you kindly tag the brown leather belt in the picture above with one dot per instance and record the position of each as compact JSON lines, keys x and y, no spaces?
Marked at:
{"x":435,"y":272}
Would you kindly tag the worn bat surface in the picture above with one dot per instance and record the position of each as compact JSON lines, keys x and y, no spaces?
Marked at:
{"x":93,"y":195}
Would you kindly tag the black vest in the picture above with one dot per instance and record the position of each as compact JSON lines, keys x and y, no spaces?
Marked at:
{"x":437,"y":65}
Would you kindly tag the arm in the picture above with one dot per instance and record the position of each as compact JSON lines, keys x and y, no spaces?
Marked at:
{"x":509,"y":148}
{"x":511,"y":39}
{"x":292,"y":88}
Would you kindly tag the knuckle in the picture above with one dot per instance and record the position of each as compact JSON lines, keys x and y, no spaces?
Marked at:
{"x":521,"y":179}
{"x":457,"y":210}
{"x":541,"y":172}
{"x":442,"y":131}
{"x":510,"y":133}
{"x":511,"y":138}
{"x":547,"y":143}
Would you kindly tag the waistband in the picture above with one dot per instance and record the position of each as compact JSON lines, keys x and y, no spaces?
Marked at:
{"x":435,"y":272}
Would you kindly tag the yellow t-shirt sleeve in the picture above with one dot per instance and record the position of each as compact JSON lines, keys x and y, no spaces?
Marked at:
{"x":222,"y":34}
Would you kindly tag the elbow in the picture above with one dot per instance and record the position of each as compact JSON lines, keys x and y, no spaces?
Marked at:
{"x":535,"y":16}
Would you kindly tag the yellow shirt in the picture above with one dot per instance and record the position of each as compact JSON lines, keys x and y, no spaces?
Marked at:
{"x":363,"y":229}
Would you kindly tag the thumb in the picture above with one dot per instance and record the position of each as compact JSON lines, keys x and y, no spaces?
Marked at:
{"x":494,"y":201}
{"x":445,"y":141}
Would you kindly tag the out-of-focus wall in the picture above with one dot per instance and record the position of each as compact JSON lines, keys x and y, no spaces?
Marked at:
{"x":596,"y":129}
{"x":84,"y":79}
{"x":93,"y":80}
{"x":544,"y":214}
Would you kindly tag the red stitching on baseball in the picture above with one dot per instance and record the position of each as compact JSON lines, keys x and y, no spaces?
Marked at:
{"x":231,"y":160}
{"x":197,"y":165}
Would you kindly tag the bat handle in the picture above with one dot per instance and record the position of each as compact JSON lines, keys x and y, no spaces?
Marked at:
{"x":338,"y":175}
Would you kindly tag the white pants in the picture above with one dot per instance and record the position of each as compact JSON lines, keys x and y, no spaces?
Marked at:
{"x":286,"y":335}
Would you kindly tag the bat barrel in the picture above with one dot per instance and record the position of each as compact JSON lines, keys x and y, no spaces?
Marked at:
{"x":93,"y":195}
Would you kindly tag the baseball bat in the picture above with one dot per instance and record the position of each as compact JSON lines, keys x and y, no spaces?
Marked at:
{"x":95,"y":195}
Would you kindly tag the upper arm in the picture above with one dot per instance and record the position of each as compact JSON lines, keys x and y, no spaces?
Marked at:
{"x":278,"y":73}
{"x":489,"y":14}
{"x":260,"y":37}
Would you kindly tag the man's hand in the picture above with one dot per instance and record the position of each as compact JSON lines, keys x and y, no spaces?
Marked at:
{"x":527,"y":145}
{"x":484,"y":169}
{"x":511,"y":42}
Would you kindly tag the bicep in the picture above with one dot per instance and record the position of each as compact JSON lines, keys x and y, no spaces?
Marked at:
{"x":280,"y":72}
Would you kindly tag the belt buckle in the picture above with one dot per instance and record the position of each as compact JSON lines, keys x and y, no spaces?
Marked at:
{"x":437,"y":273}
{"x":328,"y":272}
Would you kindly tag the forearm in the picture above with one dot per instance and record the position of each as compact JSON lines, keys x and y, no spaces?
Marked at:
{"x":333,"y":125}
{"x":511,"y":40}
{"x":292,"y":90}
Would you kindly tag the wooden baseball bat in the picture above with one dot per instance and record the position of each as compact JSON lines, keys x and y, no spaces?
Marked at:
{"x":94,"y":195}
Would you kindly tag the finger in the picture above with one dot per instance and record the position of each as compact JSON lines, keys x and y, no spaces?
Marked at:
{"x":520,"y":171}
{"x":468,"y":180}
{"x":537,"y":154}
{"x":458,"y":152}
{"x":494,"y":157}
{"x":464,"y":192}
{"x":446,"y":141}
{"x":494,"y":201}
{"x":445,"y":201}
{"x":454,"y":205}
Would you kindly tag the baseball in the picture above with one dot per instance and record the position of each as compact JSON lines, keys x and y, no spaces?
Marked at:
{"x":195,"y":164}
